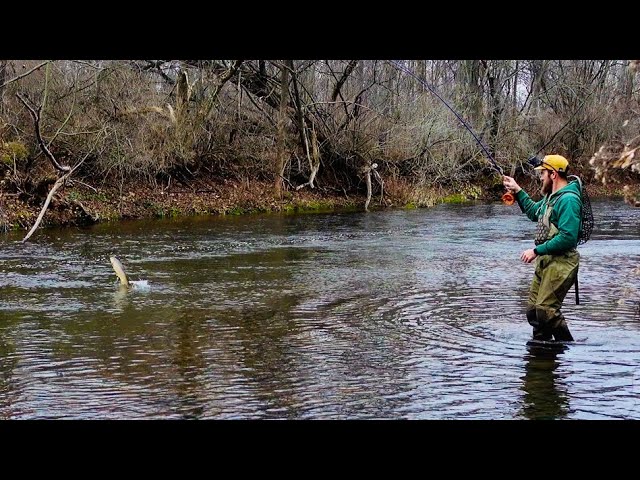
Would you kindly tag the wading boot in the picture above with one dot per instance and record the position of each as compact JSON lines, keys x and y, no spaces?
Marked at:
{"x":562,"y":334}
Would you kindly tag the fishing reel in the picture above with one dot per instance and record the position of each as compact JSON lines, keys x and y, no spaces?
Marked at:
{"x":508,"y":198}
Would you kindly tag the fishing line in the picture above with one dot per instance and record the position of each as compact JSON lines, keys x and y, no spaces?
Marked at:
{"x":533,"y":161}
{"x":507,"y":198}
{"x":406,"y":70}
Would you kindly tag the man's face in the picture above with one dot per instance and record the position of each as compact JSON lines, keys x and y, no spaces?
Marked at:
{"x":547,"y":182}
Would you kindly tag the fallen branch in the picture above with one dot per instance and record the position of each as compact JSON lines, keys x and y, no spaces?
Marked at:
{"x":56,"y":186}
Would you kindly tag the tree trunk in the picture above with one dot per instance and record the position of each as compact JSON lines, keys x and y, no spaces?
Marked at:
{"x":627,"y":83}
{"x":538,"y":74}
{"x":3,"y":78}
{"x":282,"y":120}
{"x":314,"y":161}
{"x":470,"y":90}
{"x":495,"y":105}
{"x":515,"y":88}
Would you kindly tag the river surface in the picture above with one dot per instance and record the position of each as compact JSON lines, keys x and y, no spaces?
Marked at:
{"x":403,"y":314}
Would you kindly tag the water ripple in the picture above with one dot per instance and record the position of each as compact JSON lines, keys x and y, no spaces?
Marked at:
{"x":397,"y":314}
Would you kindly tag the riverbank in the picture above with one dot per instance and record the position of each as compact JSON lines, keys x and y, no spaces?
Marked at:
{"x":80,"y":204}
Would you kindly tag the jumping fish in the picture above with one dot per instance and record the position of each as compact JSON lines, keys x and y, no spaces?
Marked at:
{"x":119,"y":269}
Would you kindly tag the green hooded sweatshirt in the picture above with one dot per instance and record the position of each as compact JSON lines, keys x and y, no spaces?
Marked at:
{"x":566,"y":216}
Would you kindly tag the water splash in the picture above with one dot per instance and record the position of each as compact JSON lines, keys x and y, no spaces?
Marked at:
{"x":139,"y":284}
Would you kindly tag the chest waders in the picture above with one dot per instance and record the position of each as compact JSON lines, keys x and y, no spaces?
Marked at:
{"x":554,"y":275}
{"x":545,"y":230}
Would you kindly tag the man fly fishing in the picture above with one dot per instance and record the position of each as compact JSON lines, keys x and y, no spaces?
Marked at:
{"x":558,"y":215}
{"x":564,"y":219}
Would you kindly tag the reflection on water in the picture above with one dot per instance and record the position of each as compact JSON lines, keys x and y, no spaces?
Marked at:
{"x":545,"y":394}
{"x":395,"y":314}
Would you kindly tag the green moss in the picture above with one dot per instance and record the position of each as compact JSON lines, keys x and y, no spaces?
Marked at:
{"x":87,"y":196}
{"x":110,"y":215}
{"x":314,"y":206}
{"x":13,"y":150}
{"x":289,"y":208}
{"x":455,"y":198}
{"x":235,"y":211}
{"x":472,"y":192}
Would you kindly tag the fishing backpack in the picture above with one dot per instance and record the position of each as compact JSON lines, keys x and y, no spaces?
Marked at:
{"x":586,"y":214}
{"x":586,"y":223}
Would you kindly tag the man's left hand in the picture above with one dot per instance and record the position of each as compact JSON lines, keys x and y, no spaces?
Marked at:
{"x":528,"y":256}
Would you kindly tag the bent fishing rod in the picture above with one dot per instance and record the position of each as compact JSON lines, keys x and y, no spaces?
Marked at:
{"x":406,"y":70}
{"x":534,"y":161}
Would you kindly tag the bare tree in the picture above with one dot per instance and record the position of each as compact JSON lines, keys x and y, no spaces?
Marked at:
{"x":282,"y":129}
{"x":64,"y":171}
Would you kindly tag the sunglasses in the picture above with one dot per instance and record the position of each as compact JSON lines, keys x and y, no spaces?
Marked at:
{"x":536,"y":162}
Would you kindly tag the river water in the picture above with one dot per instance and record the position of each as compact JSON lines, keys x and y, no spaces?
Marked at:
{"x":399,"y":314}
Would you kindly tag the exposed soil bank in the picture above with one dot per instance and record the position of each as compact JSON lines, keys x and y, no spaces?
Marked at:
{"x":79,"y":204}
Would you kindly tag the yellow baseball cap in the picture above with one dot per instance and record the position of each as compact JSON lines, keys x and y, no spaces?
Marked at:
{"x":554,"y":162}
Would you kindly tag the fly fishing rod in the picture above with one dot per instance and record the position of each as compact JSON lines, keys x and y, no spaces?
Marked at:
{"x":534,"y":161}
{"x":507,"y":198}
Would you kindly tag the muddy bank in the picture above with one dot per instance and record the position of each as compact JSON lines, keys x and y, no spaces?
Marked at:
{"x":80,"y":204}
